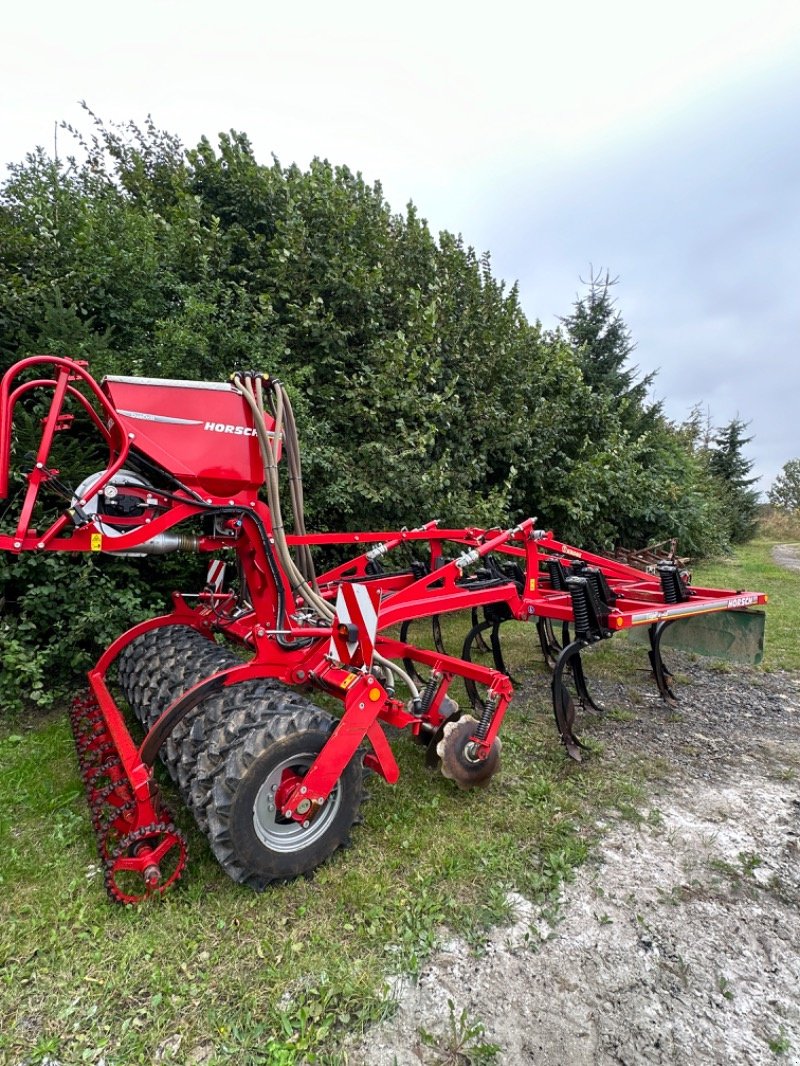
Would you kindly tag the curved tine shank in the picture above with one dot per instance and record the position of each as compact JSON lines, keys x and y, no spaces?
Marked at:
{"x":408,"y":664}
{"x":579,"y":677}
{"x":660,"y":672}
{"x":563,"y":706}
{"x":438,"y":639}
{"x":472,"y":689}
{"x":547,"y":642}
{"x":497,"y":651}
{"x":480,"y":642}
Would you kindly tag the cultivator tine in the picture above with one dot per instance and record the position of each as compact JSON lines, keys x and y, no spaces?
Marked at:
{"x":497,"y":653}
{"x":563,"y":705}
{"x":408,"y":664}
{"x":551,"y":649}
{"x":660,"y":672}
{"x":480,"y":643}
{"x":579,"y":677}
{"x":438,"y":641}
{"x":472,"y":689}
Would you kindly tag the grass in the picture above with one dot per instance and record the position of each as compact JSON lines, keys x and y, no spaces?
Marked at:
{"x":215,"y":973}
{"x":463,"y":1045}
{"x":271,"y":978}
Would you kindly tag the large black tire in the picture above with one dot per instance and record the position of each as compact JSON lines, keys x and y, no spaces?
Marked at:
{"x":253,"y":844}
{"x":160,"y":665}
{"x":164,"y":663}
{"x":227,"y":752}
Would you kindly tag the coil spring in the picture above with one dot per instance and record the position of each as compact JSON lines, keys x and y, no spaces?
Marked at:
{"x":487,"y":717}
{"x":579,"y":591}
{"x":556,"y":570}
{"x":426,"y":699}
{"x":671,"y":584}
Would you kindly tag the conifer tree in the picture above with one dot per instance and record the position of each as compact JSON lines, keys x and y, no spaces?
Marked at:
{"x":729,"y":464}
{"x":785,"y":490}
{"x":603,"y":346}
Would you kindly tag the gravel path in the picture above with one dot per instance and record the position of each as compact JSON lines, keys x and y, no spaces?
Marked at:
{"x":787,"y":555}
{"x":680,"y":941}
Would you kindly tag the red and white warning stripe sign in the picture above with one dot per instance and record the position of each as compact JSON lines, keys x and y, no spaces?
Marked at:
{"x":215,"y":576}
{"x":355,"y":625}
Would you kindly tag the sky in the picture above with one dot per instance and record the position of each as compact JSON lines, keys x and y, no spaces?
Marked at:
{"x":660,"y":143}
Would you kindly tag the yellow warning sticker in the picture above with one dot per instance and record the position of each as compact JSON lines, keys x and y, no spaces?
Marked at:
{"x":97,"y":542}
{"x":348,"y":681}
{"x":532,"y":585}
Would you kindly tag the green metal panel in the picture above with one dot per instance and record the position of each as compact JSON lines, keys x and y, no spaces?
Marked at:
{"x":734,"y":635}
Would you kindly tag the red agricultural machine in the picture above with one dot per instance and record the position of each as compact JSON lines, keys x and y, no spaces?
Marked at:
{"x":220,"y":684}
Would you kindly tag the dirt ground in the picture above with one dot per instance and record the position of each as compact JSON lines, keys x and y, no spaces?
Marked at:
{"x":679,"y":942}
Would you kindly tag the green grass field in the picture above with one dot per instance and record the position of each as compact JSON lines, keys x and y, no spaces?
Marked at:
{"x":215,"y":973}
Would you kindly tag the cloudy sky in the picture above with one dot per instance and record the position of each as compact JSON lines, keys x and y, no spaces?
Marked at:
{"x":659,"y":142}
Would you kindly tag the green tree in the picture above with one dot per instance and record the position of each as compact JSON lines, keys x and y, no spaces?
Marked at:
{"x":603,"y":346}
{"x":729,"y":465}
{"x":785,"y":489}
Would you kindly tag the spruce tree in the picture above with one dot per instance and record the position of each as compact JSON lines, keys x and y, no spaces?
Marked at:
{"x":603,"y":345}
{"x":728,"y":463}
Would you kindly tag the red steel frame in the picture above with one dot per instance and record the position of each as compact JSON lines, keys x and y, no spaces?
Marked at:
{"x":283,"y":647}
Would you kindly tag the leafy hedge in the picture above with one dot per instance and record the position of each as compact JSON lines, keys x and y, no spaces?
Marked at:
{"x":421,"y":388}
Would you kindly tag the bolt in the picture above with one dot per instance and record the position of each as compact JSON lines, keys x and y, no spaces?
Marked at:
{"x":303,"y":790}
{"x":152,"y":875}
{"x":361,"y":706}
{"x":17,"y":543}
{"x":39,"y":466}
{"x":300,"y":675}
{"x":131,"y":436}
{"x":306,"y":824}
{"x":40,"y":544}
{"x":304,"y":806}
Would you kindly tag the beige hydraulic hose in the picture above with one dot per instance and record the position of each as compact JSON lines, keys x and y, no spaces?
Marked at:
{"x":302,"y":579}
{"x":254,"y":398}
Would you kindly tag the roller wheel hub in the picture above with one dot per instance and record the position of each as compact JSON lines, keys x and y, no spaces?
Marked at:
{"x":459,"y":755}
